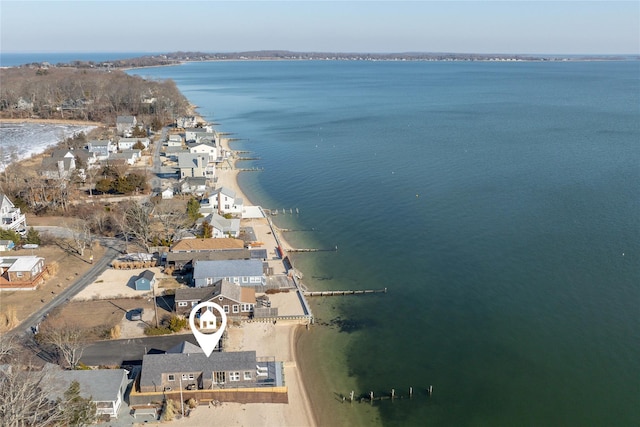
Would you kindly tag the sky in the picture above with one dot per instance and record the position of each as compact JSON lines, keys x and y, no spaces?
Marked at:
{"x":525,"y":27}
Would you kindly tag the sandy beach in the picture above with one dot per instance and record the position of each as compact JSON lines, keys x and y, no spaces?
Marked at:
{"x":269,"y":340}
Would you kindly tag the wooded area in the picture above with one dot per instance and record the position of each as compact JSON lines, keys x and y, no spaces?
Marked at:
{"x":88,"y":94}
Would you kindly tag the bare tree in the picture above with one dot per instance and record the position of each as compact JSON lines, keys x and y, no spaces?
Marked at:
{"x":7,"y":347}
{"x":137,"y":218}
{"x":80,"y":234}
{"x":25,"y":398}
{"x":67,"y":339}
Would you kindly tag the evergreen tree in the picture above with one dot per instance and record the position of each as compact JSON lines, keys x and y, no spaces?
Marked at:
{"x":33,"y":236}
{"x":77,"y":410}
{"x":193,"y":209}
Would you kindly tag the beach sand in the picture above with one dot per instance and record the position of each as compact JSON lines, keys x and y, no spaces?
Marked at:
{"x":268,"y":340}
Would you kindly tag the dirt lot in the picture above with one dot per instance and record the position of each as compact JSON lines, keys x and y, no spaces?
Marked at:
{"x":100,"y":316}
{"x":70,"y":267}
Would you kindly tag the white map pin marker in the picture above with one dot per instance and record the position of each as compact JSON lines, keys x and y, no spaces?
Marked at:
{"x":208,"y":322}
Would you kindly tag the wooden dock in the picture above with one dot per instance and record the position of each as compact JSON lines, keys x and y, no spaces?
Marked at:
{"x":349,"y":292}
{"x":312,"y":250}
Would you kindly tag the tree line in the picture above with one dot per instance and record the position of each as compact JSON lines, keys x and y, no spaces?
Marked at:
{"x":88,"y":94}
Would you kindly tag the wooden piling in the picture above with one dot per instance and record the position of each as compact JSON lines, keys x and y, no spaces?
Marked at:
{"x":371,"y":396}
{"x":351,"y":396}
{"x":410,"y":392}
{"x":430,"y":390}
{"x":393,"y":393}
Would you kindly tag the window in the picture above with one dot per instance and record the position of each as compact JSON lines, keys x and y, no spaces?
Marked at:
{"x":236,"y":280}
{"x":247,"y":375}
{"x":193,"y":303}
{"x":226,"y":308}
{"x":234,"y":376}
{"x":236,"y":309}
{"x":183,"y":304}
{"x":209,"y":280}
{"x":184,"y":376}
{"x":245,"y":279}
{"x":191,"y":376}
{"x":171,"y":377}
{"x":219,"y":377}
{"x":18,"y":273}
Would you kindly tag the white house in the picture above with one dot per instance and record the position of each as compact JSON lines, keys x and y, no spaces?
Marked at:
{"x":221,"y":226}
{"x":102,"y":148}
{"x":12,"y":217}
{"x":197,"y":134}
{"x":186,"y":122}
{"x":126,"y":124}
{"x":175,"y":140}
{"x":226,"y":202}
{"x":167,"y":193}
{"x":129,"y":143}
{"x":204,"y":148}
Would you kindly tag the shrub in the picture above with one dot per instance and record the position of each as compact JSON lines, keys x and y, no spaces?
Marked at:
{"x":192,"y":403}
{"x":169,"y":412}
{"x":153,"y":331}
{"x":177,"y":323}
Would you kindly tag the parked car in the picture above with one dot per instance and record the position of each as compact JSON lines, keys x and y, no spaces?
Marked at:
{"x":136,"y":314}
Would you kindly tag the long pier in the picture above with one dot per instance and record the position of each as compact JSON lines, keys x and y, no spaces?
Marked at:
{"x":313,"y":250}
{"x":348,"y":292}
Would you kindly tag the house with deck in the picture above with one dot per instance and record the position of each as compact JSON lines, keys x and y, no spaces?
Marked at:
{"x":225,"y":201}
{"x":101,"y":148}
{"x":105,"y":387}
{"x":21,"y":272}
{"x":12,"y":217}
{"x":186,"y":372}
{"x":221,"y":226}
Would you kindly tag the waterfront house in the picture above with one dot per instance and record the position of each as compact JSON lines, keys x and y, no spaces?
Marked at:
{"x":192,"y":165}
{"x":125,"y":125}
{"x":206,"y":148}
{"x":242,"y":272}
{"x":57,"y":168}
{"x":145,"y":281}
{"x":184,"y":260}
{"x":205,"y":245}
{"x":236,"y":301}
{"x":225,"y":201}
{"x":221,"y":226}
{"x":191,"y":370}
{"x":12,"y":217}
{"x":186,"y":122}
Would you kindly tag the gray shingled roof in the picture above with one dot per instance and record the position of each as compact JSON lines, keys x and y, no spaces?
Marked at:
{"x":185,"y":347}
{"x":227,"y":268}
{"x":103,"y":385}
{"x":199,"y":294}
{"x":212,"y":255}
{"x":154,"y":365}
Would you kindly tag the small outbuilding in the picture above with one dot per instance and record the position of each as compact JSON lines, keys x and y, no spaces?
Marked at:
{"x":6,"y":245}
{"x":145,"y":281}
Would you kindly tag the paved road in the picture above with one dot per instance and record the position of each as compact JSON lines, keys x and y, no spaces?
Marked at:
{"x":118,"y":352}
{"x":114,"y":248}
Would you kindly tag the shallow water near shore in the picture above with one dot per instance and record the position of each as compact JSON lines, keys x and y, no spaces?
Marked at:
{"x":497,"y":203}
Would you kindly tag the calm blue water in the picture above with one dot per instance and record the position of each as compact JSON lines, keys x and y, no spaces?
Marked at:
{"x":499,"y":204}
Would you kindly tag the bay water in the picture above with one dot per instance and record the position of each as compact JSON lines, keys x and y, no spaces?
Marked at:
{"x":497,"y":202}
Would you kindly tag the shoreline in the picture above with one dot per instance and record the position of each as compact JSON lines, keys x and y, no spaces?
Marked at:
{"x":299,"y":396}
{"x":51,"y":122}
{"x":299,"y":410}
